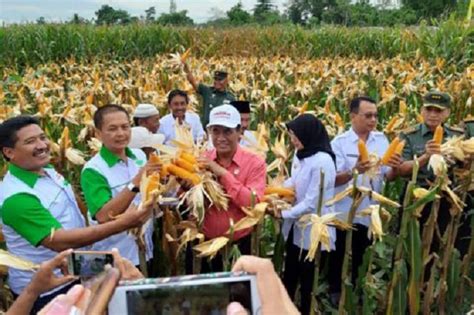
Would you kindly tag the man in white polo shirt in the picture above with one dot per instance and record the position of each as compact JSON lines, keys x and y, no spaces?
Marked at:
{"x":178,"y":104}
{"x":110,"y":180}
{"x":39,"y":212}
{"x":146,"y":115}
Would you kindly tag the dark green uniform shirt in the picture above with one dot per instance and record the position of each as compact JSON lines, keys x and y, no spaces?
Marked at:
{"x":416,"y":138}
{"x":210,"y":99}
{"x":469,"y":127}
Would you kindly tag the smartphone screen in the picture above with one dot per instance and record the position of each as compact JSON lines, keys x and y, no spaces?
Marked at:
{"x":211,"y":298}
{"x":89,"y":264}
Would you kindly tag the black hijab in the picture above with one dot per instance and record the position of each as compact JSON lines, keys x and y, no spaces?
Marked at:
{"x":312,"y":134}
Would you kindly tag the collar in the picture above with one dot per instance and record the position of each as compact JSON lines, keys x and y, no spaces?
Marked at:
{"x":425,"y":130}
{"x":353,"y":137}
{"x":238,"y":157}
{"x":111,"y":158}
{"x":29,"y":178}
{"x":215,"y":91}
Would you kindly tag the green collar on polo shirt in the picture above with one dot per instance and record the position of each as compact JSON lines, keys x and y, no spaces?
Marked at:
{"x":111,"y":158}
{"x":28,"y":177}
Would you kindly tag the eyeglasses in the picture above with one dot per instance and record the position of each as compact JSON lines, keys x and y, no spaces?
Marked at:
{"x":370,"y":115}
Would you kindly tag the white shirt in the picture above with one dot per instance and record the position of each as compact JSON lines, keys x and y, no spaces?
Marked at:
{"x":248,"y":139}
{"x":306,"y":179}
{"x":118,"y":177}
{"x":347,"y":153}
{"x":55,"y":195}
{"x":192,"y":120}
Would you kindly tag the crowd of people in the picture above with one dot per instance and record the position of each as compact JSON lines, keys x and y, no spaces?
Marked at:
{"x":41,"y":216}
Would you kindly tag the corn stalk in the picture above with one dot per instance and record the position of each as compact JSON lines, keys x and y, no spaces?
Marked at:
{"x":399,"y":263}
{"x":450,"y":260}
{"x":346,"y":284}
{"x":314,"y":302}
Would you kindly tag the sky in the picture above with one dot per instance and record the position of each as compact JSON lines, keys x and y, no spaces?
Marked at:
{"x":16,"y":11}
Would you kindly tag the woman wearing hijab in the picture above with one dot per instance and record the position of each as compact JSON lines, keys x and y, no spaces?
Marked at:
{"x":313,"y":155}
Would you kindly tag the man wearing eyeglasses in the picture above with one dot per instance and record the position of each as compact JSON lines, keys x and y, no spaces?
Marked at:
{"x":212,"y":96}
{"x":363,"y":113}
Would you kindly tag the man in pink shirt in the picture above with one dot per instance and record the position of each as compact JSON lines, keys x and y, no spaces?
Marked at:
{"x":240,"y":173}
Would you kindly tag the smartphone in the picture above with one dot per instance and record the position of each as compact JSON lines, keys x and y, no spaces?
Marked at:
{"x":89,"y":263}
{"x":193,"y":294}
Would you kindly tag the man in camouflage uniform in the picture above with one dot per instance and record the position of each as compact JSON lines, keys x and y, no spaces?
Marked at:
{"x":419,"y":143}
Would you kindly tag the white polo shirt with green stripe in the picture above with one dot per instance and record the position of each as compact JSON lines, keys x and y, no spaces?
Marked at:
{"x":103,"y":178}
{"x":31,"y":207}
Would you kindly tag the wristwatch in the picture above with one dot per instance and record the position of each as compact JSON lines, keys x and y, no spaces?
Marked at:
{"x":133,"y":188}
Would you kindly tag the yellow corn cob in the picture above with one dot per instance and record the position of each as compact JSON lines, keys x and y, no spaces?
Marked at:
{"x":185,"y":55}
{"x":391,"y":124}
{"x":185,"y":164}
{"x":391,"y":150}
{"x":188,"y":157}
{"x":183,"y":174}
{"x":281,"y":191}
{"x":155,"y":159}
{"x":164,"y":171}
{"x":152,"y":184}
{"x":400,"y":147}
{"x":363,"y":152}
{"x":438,"y":134}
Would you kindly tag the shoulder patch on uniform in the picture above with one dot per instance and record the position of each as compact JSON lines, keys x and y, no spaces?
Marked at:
{"x":455,"y":129}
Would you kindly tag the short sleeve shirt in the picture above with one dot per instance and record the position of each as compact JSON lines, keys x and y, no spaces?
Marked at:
{"x":210,"y":99}
{"x":33,"y":206}
{"x":345,"y":148}
{"x":415,"y":141}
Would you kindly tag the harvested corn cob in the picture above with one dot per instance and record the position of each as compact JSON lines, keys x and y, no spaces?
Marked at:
{"x":185,"y":164}
{"x":400,"y":147}
{"x":183,"y":174}
{"x":391,"y":150}
{"x":188,"y":157}
{"x":438,"y":134}
{"x":363,"y":152}
{"x":281,"y":191}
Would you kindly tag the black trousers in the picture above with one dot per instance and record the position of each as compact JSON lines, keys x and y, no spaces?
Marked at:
{"x":298,"y":270}
{"x":360,"y":242}
{"x":42,"y":301}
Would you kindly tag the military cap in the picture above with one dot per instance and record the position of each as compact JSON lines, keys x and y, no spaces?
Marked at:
{"x":437,"y":99}
{"x":220,"y":75}
{"x":242,"y":106}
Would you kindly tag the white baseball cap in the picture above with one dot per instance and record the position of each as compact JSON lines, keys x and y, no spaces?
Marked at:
{"x":142,"y":138}
{"x":145,"y":110}
{"x":224,"y":115}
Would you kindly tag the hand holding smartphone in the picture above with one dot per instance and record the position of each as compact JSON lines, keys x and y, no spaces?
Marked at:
{"x":88,"y":264}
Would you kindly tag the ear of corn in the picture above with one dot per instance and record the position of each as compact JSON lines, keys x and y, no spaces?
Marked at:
{"x":438,"y":135}
{"x":188,"y":157}
{"x":281,"y":191}
{"x":185,"y":165}
{"x":400,"y":147}
{"x":183,"y":174}
{"x":363,"y":152}
{"x":390,"y":150}
{"x":154,"y":158}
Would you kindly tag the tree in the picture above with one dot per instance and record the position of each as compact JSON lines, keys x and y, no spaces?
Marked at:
{"x":173,"y":7}
{"x":238,"y":16}
{"x":109,"y":16}
{"x":432,"y":8}
{"x":76,"y":19}
{"x":41,"y":20}
{"x":150,"y":14}
{"x":178,"y":19}
{"x":262,"y":7}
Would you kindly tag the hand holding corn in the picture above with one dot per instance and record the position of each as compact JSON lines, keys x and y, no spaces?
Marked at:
{"x":363,"y":166}
{"x":432,"y":147}
{"x":150,"y":167}
{"x":212,"y":166}
{"x":395,"y":161}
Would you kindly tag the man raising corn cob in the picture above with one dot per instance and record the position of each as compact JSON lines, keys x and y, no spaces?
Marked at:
{"x":363,"y":112}
{"x":240,"y":173}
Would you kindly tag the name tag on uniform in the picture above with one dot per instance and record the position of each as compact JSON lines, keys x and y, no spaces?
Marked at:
{"x":352,"y":155}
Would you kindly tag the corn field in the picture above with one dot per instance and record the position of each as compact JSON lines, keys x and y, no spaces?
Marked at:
{"x":62,"y":73}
